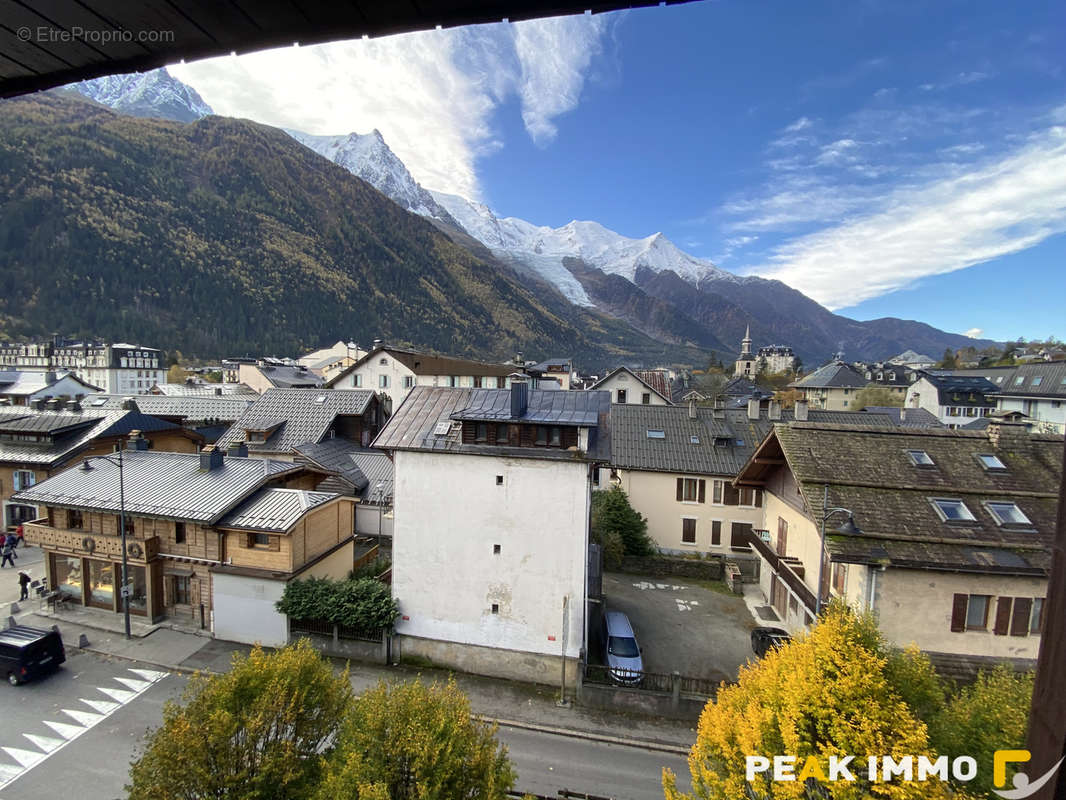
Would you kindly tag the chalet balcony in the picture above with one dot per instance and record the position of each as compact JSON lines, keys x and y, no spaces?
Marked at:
{"x":89,"y":543}
{"x":789,"y":570}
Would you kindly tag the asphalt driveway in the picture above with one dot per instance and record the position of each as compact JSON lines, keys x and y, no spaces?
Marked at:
{"x":682,"y":625}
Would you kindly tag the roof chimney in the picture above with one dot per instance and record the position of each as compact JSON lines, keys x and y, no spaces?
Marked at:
{"x":50,"y":377}
{"x":53,"y":404}
{"x":774,"y":411}
{"x":38,"y":403}
{"x":218,"y":391}
{"x":240,"y":450}
{"x":519,"y":396}
{"x":136,"y":441}
{"x":801,"y":411}
{"x":210,"y":458}
{"x":902,"y":415}
{"x":1007,"y":434}
{"x":378,"y":343}
{"x":753,"y":408}
{"x":129,"y":404}
{"x":692,"y":408}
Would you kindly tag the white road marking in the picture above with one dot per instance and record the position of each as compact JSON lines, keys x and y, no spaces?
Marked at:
{"x":28,"y":759}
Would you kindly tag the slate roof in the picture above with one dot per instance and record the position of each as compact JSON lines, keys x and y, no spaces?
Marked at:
{"x":543,"y":407}
{"x":833,"y":375}
{"x":870,"y":473}
{"x":205,"y":390}
{"x":412,"y":426}
{"x":283,"y":376}
{"x":953,"y":389}
{"x":305,"y":417}
{"x":64,"y":446}
{"x":427,"y":364}
{"x":195,"y":408}
{"x":159,"y":484}
{"x":663,"y":391}
{"x":737,"y":436}
{"x":1035,"y":380}
{"x":274,"y":510}
{"x":907,"y":418}
{"x":27,"y":382}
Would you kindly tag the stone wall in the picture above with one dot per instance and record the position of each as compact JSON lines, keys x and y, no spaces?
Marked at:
{"x":708,"y":568}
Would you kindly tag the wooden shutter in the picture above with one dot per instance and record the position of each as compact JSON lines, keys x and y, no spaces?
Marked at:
{"x":758,"y":498}
{"x":249,"y":540}
{"x":732,"y":496}
{"x":1019,"y":621}
{"x":680,"y":489}
{"x":958,"y":612}
{"x":688,"y":531}
{"x":1002,"y":616}
{"x":716,"y":532}
{"x":703,"y":490}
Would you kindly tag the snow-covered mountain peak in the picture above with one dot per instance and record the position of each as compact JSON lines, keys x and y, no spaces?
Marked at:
{"x":155,"y":93}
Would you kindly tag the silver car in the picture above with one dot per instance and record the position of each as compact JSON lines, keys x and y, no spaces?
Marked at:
{"x":624,"y":664}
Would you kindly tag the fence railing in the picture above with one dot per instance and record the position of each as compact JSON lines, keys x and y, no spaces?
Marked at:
{"x":324,"y":627}
{"x":650,"y":681}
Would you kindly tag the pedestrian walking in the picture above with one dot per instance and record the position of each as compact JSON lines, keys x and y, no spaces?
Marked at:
{"x":24,"y":585}
{"x":12,"y":542}
{"x":9,"y":555}
{"x":20,"y":538}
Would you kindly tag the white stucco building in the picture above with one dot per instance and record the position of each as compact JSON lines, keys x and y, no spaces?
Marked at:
{"x":629,"y":387}
{"x":490,"y":537}
{"x":116,"y":368}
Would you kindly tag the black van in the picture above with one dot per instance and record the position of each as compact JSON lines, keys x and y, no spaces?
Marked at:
{"x":27,"y":653}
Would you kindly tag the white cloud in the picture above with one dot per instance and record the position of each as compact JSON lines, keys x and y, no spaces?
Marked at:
{"x":432,"y":94}
{"x":801,"y":124}
{"x":1002,"y":207}
{"x":974,"y":333}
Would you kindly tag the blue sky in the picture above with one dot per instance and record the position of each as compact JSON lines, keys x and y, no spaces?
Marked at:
{"x":887,"y":159}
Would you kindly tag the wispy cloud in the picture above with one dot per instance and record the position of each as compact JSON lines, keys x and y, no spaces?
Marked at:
{"x":433,"y":95}
{"x":1008,"y":204}
{"x":959,"y":79}
{"x":974,"y":333}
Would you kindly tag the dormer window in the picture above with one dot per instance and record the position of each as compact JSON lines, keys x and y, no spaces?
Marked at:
{"x":991,"y":462}
{"x":952,"y":510}
{"x":1007,"y":513}
{"x":920,"y":458}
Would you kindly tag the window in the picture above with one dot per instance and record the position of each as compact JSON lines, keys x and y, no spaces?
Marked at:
{"x":645,"y":399}
{"x":128,"y":520}
{"x":23,"y":479}
{"x":499,"y":480}
{"x":716,"y":533}
{"x":1007,"y":513}
{"x":542,"y":436}
{"x":691,"y":490}
{"x":621,"y":396}
{"x":453,"y":381}
{"x":971,"y":411}
{"x":920,"y":458}
{"x":181,"y":590}
{"x":717,"y":487}
{"x":501,"y":434}
{"x":749,"y":496}
{"x":74,"y":520}
{"x":840,"y":576}
{"x":1039,"y":379}
{"x":952,"y":510}
{"x":495,"y":549}
{"x":261,"y":539}
{"x":990,"y":461}
{"x":693,"y":439}
{"x":953,"y":411}
{"x":383,"y":381}
{"x":688,"y":531}
{"x":477,"y":381}
{"x":495,"y":608}
{"x":408,"y":381}
{"x":1019,"y":380}
{"x":383,"y":362}
{"x":482,"y":434}
{"x":977,"y":612}
{"x":179,"y":532}
{"x":357,"y":380}
{"x":555,"y":438}
{"x":501,"y":382}
{"x":654,"y":433}
{"x":1037,"y":620}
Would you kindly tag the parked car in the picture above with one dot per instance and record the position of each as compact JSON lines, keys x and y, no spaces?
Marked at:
{"x":762,"y":639}
{"x":27,"y":653}
{"x":622,"y":656}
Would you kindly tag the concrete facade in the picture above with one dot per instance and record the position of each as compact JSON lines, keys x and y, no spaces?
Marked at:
{"x":485,"y":550}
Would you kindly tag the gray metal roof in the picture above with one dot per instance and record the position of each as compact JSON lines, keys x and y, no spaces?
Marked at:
{"x":833,"y":375}
{"x":956,"y":389}
{"x":412,"y":426}
{"x":159,"y":484}
{"x":285,"y":377}
{"x":907,"y":418}
{"x":195,"y":408}
{"x":360,"y":467}
{"x":307,"y":415}
{"x":27,"y":382}
{"x":53,"y":424}
{"x":377,"y":467}
{"x":274,"y":510}
{"x":205,"y":390}
{"x":548,"y":407}
{"x":1046,"y":379}
{"x":63,"y":446}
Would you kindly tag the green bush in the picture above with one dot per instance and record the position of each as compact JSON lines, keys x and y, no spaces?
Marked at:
{"x":371,"y":569}
{"x":612,"y":514}
{"x":362,"y":603}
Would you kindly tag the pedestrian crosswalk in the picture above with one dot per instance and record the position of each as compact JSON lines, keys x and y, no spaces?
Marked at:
{"x":66,"y":726}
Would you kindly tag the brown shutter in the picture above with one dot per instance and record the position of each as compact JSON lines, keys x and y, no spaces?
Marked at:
{"x":758,"y":498}
{"x":716,"y":532}
{"x":680,"y":488}
{"x":1002,"y":617}
{"x":732,"y":496}
{"x":958,"y":612}
{"x":1019,"y":622}
{"x":249,"y":540}
{"x":703,"y":490}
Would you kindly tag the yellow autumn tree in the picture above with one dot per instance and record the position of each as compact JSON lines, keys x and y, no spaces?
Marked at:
{"x":826,"y":694}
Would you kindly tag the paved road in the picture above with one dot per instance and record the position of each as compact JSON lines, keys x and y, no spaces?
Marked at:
{"x":31,"y":560}
{"x":74,"y":734}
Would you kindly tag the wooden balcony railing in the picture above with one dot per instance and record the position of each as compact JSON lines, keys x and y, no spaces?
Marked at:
{"x":89,"y":543}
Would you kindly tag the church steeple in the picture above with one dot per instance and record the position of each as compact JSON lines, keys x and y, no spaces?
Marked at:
{"x":745,"y":343}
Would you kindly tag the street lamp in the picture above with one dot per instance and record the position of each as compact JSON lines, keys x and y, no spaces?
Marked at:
{"x":849,"y":527}
{"x":125,"y":590}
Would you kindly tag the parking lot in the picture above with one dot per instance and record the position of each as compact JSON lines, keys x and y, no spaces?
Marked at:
{"x":682,"y":625}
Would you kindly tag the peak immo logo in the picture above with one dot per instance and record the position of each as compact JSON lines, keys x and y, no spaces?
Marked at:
{"x":1023,"y":786}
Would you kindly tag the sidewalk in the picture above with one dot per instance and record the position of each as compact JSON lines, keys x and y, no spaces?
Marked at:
{"x":510,"y":703}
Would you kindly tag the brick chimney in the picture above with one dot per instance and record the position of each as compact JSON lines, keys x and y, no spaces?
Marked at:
{"x":800,"y":413}
{"x":1006,"y":434}
{"x":210,"y":458}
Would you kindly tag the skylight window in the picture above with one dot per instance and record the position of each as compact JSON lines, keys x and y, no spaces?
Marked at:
{"x":442,"y":428}
{"x":920,"y":458}
{"x":952,"y":510}
{"x":98,"y":401}
{"x":320,"y":399}
{"x":1019,"y":380}
{"x":1038,"y":380}
{"x":694,"y":439}
{"x":656,"y":434}
{"x":989,"y":461}
{"x":1007,"y":514}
